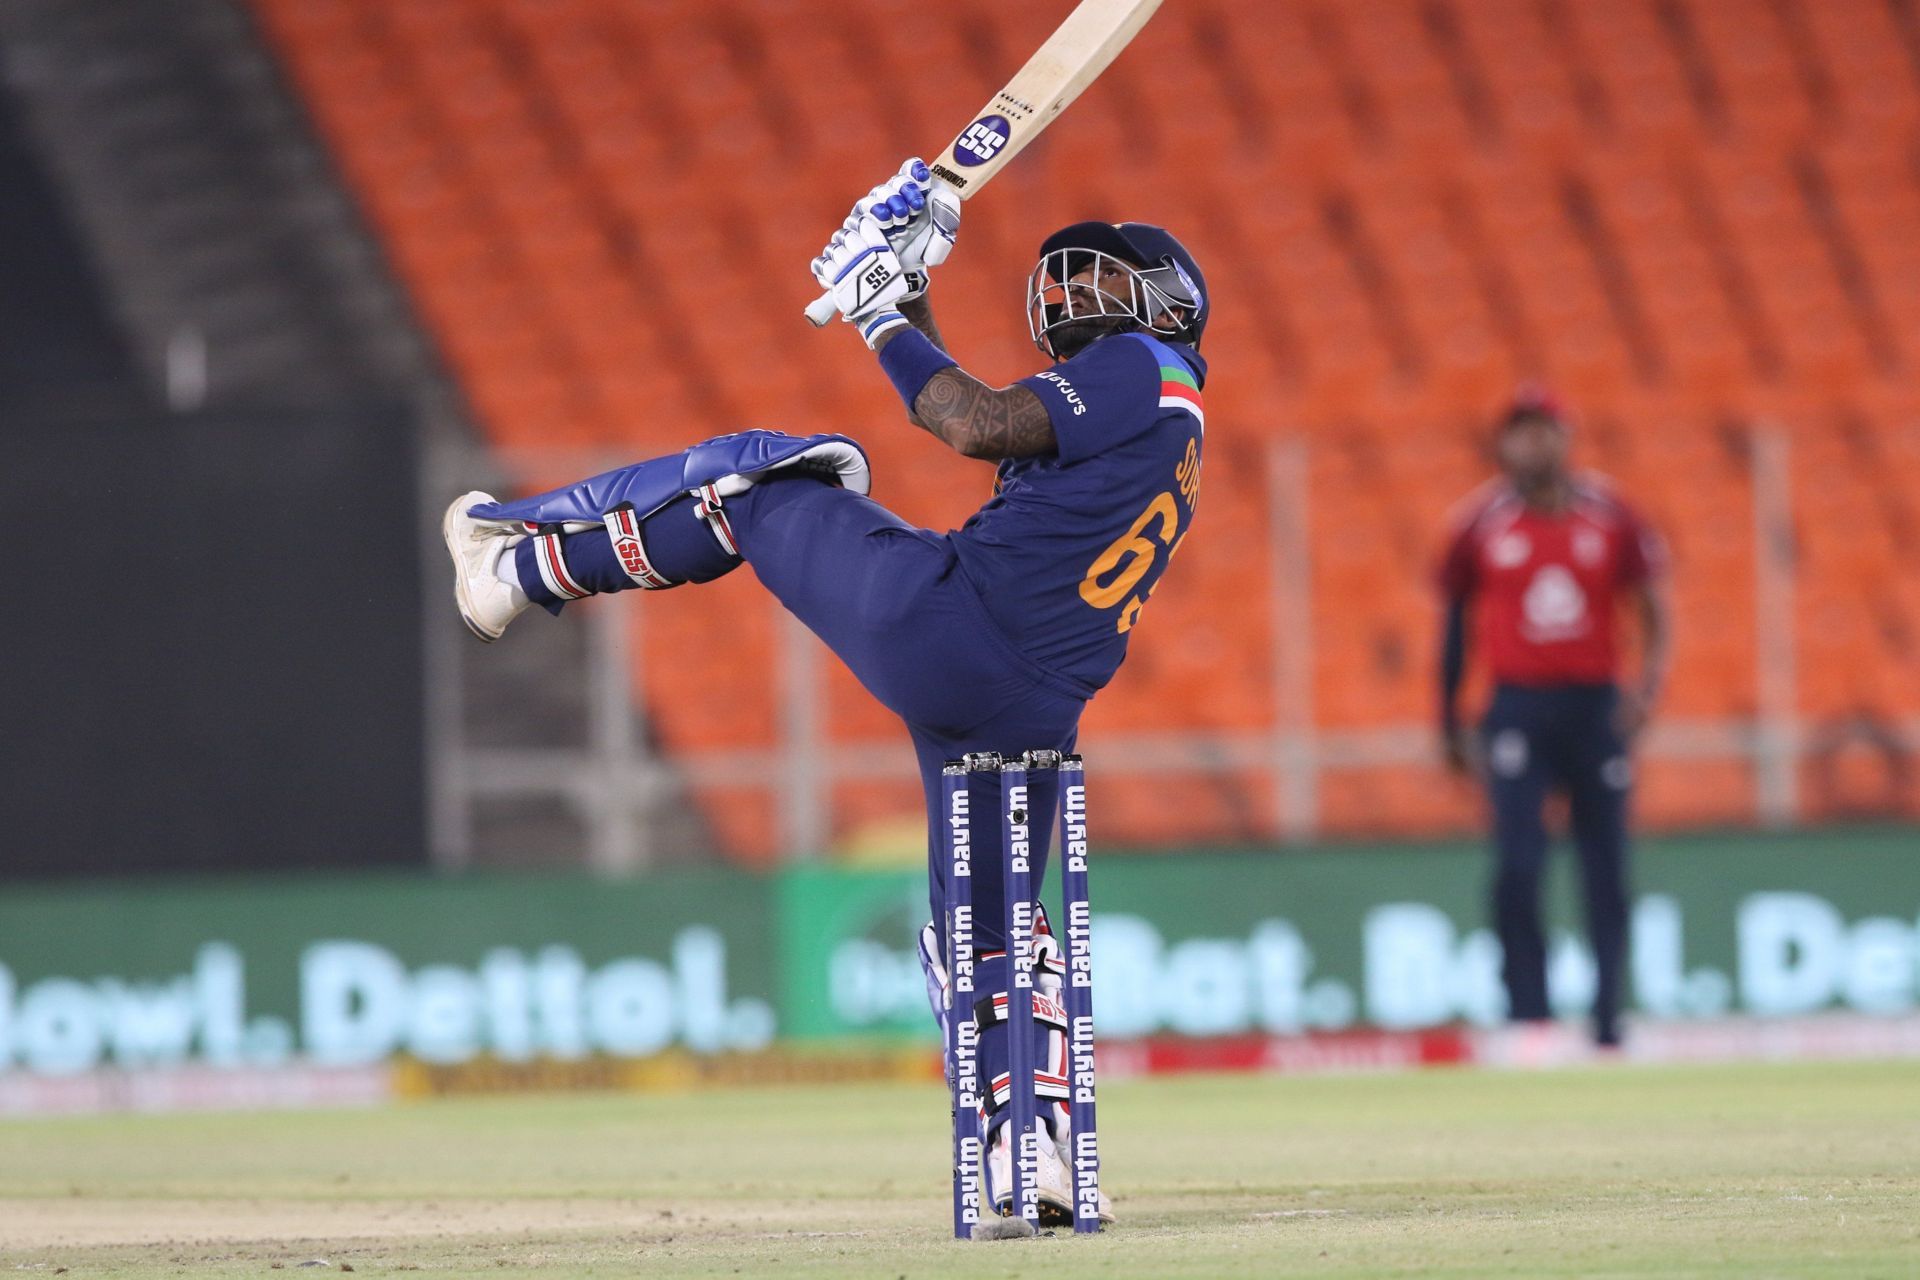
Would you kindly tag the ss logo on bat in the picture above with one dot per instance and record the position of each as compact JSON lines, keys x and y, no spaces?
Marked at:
{"x":982,"y":140}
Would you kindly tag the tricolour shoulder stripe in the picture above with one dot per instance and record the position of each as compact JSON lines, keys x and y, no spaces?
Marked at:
{"x":1179,"y":388}
{"x":1189,"y":402}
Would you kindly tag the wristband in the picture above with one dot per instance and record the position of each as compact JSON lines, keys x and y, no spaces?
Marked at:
{"x":910,"y":361}
{"x":878,"y":323}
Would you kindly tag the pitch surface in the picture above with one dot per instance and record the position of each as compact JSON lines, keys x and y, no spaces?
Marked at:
{"x":1756,"y":1171}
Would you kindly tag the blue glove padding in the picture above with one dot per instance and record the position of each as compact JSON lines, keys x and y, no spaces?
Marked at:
{"x":920,"y":216}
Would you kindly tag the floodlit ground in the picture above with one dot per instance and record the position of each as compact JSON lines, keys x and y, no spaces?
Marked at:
{"x":1748,"y":1172}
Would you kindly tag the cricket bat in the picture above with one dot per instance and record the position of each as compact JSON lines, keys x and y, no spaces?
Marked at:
{"x":1072,"y":58}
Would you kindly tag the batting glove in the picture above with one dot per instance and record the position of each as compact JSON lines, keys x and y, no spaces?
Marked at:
{"x":921,"y":217}
{"x":862,"y":273}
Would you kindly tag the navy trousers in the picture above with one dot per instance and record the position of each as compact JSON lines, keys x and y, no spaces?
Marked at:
{"x":891,"y":601}
{"x":1539,"y":740}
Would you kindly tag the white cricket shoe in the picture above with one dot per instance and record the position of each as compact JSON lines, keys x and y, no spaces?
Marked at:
{"x":487,"y":604}
{"x":1052,"y":1187}
{"x":1063,"y":1152}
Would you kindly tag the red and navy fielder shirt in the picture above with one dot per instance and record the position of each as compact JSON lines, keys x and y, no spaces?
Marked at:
{"x":1543,"y":584}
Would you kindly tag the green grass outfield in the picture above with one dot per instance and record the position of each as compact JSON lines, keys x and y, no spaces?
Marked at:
{"x":1750,"y":1172}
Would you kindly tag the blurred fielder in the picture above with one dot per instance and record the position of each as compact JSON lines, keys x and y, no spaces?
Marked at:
{"x":989,"y":638}
{"x":1540,"y":557}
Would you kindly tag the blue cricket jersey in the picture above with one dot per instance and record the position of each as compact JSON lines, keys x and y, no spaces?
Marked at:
{"x":1072,"y":543}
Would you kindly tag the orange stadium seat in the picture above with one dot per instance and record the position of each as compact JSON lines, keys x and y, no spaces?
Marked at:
{"x":1406,"y":206}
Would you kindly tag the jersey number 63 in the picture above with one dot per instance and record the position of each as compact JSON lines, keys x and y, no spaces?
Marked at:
{"x":1116,"y":571}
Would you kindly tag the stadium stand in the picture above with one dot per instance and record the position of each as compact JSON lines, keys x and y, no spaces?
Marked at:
{"x":1694,"y":217}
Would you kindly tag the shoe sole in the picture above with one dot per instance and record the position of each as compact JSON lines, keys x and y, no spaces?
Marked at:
{"x":1054,"y":1212}
{"x":457,"y":513}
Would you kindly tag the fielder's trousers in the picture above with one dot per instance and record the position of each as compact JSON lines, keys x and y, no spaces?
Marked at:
{"x":1539,"y":740}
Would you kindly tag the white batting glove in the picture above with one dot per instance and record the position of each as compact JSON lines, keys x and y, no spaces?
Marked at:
{"x":864,"y":276}
{"x":921,"y":216}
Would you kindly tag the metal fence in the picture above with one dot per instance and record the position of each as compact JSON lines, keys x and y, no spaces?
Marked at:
{"x":622,"y":796}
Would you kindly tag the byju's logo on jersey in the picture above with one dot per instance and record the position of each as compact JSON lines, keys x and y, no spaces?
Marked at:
{"x":982,"y":140}
{"x":1066,"y":389}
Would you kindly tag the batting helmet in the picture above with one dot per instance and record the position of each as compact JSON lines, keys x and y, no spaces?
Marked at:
{"x":1165,"y":277}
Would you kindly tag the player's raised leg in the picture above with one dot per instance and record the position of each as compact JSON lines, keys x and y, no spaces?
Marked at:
{"x":653,"y":524}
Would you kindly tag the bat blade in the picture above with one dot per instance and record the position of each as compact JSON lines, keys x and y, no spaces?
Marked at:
{"x":1072,"y":58}
{"x":1058,"y":72}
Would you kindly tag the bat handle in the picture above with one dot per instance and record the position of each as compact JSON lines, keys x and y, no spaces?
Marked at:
{"x":820,"y":310}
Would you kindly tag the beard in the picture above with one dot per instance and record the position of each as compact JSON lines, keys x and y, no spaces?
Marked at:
{"x":1075,"y":336}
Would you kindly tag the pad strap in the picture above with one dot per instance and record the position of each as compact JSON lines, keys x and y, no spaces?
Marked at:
{"x":1046,"y":1084}
{"x":1050,"y":1077}
{"x":991,"y":1010}
{"x":623,"y":526}
{"x":707,"y":505}
{"x":553,"y":568}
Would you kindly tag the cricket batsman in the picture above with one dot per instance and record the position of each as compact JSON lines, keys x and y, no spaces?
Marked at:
{"x":992,"y":637}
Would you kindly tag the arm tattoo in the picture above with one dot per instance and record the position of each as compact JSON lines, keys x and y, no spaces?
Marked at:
{"x":919,"y":313}
{"x":982,"y":422}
